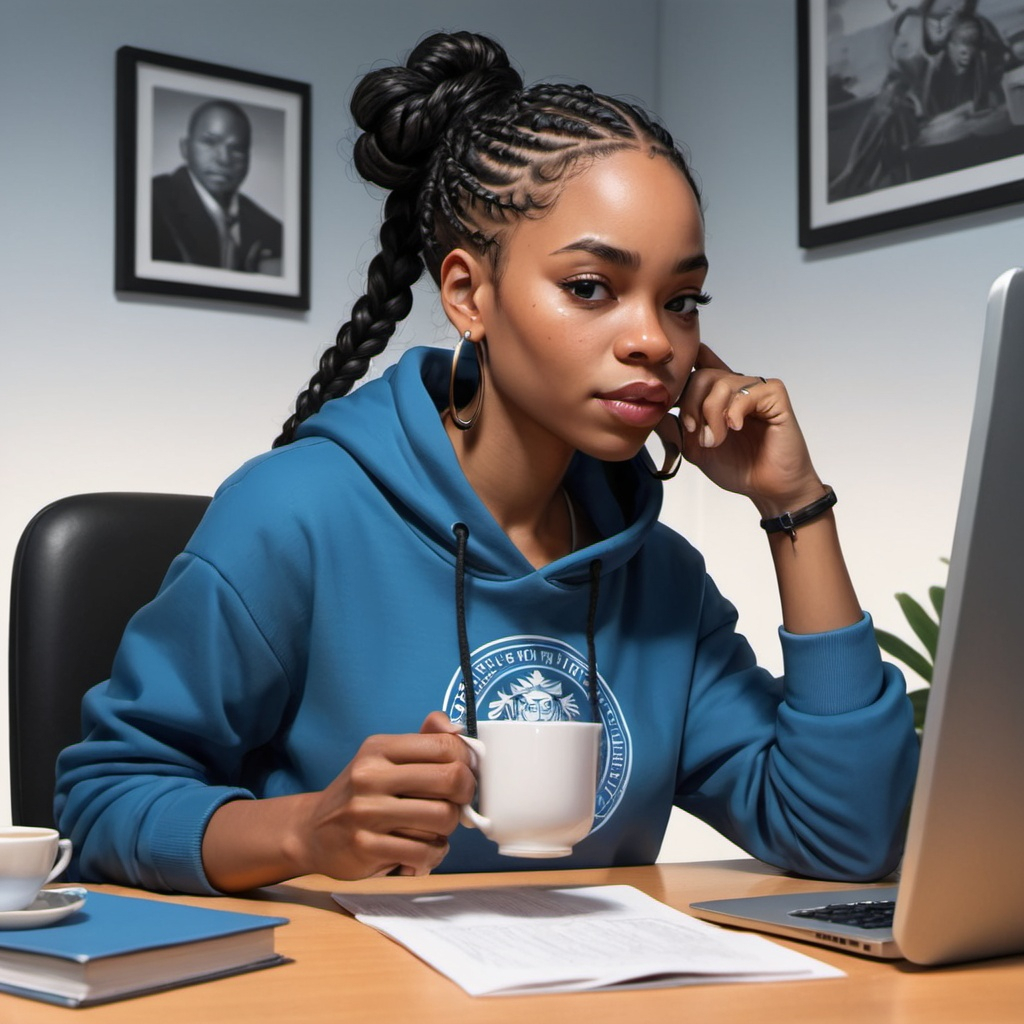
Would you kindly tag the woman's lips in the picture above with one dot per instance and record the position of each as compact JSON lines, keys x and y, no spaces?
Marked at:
{"x":638,"y":404}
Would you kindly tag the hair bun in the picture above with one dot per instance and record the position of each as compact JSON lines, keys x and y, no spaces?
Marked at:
{"x":405,"y":110}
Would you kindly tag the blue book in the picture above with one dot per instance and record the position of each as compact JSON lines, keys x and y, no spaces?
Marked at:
{"x":121,"y":946}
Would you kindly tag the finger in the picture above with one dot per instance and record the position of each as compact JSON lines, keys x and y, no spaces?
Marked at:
{"x":750,"y":385}
{"x":393,"y":854}
{"x":708,"y":369}
{"x":425,"y":865}
{"x":452,"y":780}
{"x":691,"y":401}
{"x":709,"y":360}
{"x":421,"y":837}
{"x":439,"y":722}
{"x":705,"y":408}
{"x":414,"y":818}
{"x":418,"y":748}
{"x":727,"y":403}
{"x":745,"y":400}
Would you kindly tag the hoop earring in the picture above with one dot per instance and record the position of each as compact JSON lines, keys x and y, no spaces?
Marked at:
{"x":670,"y":466}
{"x":479,"y":404}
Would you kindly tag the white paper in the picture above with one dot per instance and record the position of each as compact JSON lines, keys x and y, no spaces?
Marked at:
{"x":517,"y":940}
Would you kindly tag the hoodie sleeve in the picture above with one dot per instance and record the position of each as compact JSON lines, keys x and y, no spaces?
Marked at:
{"x":812,"y":772}
{"x":194,"y":689}
{"x":203,"y":681}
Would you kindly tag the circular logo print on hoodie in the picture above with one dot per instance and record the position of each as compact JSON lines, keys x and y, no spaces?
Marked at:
{"x":540,"y":679}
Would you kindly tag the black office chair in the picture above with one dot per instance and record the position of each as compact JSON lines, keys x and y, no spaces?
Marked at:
{"x":83,"y":566}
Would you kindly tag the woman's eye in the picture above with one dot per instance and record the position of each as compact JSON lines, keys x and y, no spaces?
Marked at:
{"x":684,"y":304}
{"x":587,"y":289}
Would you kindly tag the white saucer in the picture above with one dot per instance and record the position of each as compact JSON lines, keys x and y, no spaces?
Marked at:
{"x":50,"y":906}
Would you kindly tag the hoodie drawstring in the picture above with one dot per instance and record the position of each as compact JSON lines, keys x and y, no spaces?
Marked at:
{"x":595,"y":587}
{"x":461,"y":532}
{"x":462,"y":536}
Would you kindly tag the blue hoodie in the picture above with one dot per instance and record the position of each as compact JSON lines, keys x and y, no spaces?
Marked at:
{"x":315,"y":606}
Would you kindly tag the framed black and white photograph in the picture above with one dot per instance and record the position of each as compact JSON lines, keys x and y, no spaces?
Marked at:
{"x":212,"y":181}
{"x":910,"y":111}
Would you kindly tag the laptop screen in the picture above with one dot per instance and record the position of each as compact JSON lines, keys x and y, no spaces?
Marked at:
{"x":962,"y":890}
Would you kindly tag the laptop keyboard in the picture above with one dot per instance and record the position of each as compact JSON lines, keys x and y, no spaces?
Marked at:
{"x":863,"y":914}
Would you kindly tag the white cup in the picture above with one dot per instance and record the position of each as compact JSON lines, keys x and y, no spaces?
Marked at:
{"x":27,"y":858}
{"x":537,"y":784}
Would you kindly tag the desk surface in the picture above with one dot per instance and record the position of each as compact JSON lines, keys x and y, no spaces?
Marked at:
{"x":345,"y":971}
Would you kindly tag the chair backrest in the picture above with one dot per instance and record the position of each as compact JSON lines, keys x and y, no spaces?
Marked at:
{"x":84,"y":565}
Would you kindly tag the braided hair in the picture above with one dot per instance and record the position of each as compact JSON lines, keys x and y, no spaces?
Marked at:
{"x":464,"y":151}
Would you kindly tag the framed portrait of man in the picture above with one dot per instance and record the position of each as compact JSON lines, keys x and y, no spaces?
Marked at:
{"x":910,"y":111}
{"x":212,"y":186}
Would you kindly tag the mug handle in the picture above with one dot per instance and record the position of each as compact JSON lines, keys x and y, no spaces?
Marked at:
{"x":63,"y":858}
{"x":470,"y":816}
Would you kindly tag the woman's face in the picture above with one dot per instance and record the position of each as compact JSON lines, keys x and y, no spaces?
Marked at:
{"x":963,"y":45}
{"x":592,"y":326}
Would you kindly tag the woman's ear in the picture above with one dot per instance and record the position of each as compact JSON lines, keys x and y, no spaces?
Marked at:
{"x":465,"y":284}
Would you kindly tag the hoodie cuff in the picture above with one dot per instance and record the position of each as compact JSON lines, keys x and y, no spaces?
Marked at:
{"x":173,"y":842}
{"x":832,"y":673}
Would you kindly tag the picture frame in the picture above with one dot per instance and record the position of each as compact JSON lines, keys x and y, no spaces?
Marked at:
{"x":212,"y":181}
{"x":909,"y":111}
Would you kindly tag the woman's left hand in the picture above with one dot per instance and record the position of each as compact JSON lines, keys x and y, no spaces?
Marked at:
{"x":741,"y":432}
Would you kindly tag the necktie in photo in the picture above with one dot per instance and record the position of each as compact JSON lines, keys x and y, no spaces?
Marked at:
{"x":228,"y":242}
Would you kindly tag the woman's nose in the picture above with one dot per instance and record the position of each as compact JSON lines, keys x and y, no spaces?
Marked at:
{"x":645,"y":343}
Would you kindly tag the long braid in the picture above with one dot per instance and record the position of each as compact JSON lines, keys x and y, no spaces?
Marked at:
{"x":375,"y":315}
{"x":465,"y":151}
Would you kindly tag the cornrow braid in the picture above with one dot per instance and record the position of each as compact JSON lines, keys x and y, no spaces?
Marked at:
{"x":511,"y":161}
{"x":465,"y":151}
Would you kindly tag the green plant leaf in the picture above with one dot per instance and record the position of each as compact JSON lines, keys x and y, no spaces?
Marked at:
{"x":938,"y":596}
{"x":900,"y":649}
{"x":924,"y":626}
{"x":919,"y":702}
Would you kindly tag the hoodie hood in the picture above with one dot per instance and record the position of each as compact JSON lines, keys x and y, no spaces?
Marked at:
{"x":392,"y":428}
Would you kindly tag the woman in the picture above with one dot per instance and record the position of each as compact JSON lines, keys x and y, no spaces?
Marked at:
{"x":494,"y":520}
{"x":880,"y":153}
{"x":961,"y":76}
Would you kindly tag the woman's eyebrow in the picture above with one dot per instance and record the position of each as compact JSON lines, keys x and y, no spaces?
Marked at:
{"x":627,"y":257}
{"x":691,"y":263}
{"x":603,"y":251}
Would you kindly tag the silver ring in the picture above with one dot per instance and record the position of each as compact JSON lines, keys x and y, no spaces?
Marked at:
{"x":745,"y":390}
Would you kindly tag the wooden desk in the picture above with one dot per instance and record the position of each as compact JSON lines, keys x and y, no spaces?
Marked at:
{"x":346,"y":972}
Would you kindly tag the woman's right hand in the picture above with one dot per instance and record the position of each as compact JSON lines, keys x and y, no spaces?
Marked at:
{"x":392,"y":808}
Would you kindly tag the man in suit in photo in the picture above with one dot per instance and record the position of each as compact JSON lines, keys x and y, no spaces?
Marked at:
{"x":199,"y":214}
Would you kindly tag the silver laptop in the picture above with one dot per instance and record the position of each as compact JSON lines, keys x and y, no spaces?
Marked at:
{"x":961,"y":888}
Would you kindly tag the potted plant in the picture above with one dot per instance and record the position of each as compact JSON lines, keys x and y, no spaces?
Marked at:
{"x":925,"y":627}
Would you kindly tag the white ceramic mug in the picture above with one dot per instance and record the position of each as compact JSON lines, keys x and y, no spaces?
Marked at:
{"x":537,"y":784}
{"x":27,"y":863}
